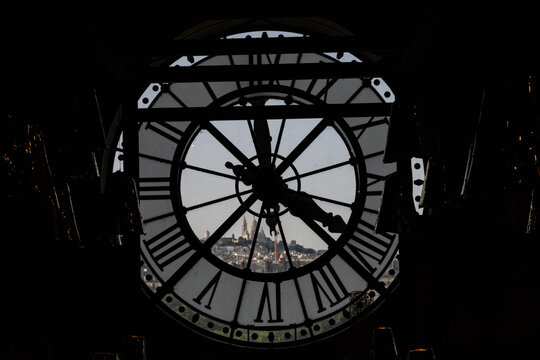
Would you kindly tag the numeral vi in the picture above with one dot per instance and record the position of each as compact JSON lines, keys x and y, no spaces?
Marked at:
{"x":274,"y":313}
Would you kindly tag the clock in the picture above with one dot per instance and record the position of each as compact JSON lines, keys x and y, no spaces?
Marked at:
{"x":259,"y":206}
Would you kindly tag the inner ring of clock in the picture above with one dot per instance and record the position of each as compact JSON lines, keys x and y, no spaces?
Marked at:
{"x":269,"y":194}
{"x":269,"y":187}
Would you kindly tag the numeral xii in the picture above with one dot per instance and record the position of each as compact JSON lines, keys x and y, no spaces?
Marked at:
{"x":265,"y":303}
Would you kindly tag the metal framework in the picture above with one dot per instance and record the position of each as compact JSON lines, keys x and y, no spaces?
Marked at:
{"x":268,"y":112}
{"x":186,"y":47}
{"x":263,"y":72}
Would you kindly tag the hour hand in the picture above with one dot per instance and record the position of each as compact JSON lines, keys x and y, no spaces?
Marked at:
{"x":301,"y":204}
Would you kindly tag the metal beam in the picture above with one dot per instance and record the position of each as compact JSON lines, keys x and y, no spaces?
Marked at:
{"x":262,"y":72}
{"x":193,"y":47}
{"x":263,"y":112}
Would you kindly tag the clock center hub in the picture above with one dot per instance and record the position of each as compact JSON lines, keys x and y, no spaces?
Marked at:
{"x":268,"y":185}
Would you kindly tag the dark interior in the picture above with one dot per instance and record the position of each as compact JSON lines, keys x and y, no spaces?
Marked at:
{"x":463,"y":76}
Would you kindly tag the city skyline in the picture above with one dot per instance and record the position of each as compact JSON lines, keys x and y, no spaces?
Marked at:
{"x":259,"y":252}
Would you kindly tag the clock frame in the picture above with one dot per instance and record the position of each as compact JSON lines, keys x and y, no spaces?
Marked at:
{"x":358,"y":267}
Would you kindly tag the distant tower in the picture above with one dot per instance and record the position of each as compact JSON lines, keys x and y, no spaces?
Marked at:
{"x":252,"y":226}
{"x":261,"y":235}
{"x":244,"y":231}
{"x":275,"y":247}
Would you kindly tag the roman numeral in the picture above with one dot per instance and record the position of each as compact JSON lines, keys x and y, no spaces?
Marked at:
{"x":365,"y":245}
{"x":374,"y":154}
{"x":326,"y":288}
{"x":167,"y":246}
{"x":154,"y":188}
{"x":210,"y":91}
{"x":158,"y":217}
{"x":324,"y":91}
{"x":166,"y":130}
{"x":264,"y":59}
{"x":212,"y":285}
{"x":264,"y":303}
{"x":376,"y":178}
{"x":360,"y":129}
{"x":155,"y":158}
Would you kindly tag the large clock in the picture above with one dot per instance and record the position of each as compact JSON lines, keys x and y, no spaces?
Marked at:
{"x":259,"y":206}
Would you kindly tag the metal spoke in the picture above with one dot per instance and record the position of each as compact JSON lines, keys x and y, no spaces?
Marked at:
{"x":321,"y":198}
{"x":317,"y":130}
{"x":254,"y":240}
{"x":215,"y":201}
{"x":309,"y":173}
{"x":239,"y":155}
{"x":289,"y":258}
{"x":253,"y":138}
{"x":212,"y":172}
{"x":278,"y":143}
{"x":227,"y":224}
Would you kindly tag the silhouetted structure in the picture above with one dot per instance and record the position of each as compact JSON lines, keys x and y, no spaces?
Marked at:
{"x":466,"y":85}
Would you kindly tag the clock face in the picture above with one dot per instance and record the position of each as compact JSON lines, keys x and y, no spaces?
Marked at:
{"x":260,"y":231}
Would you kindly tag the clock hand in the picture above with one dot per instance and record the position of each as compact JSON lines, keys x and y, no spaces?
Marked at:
{"x":264,"y":142}
{"x":301,"y":204}
{"x":263,"y":145}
